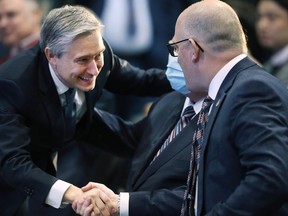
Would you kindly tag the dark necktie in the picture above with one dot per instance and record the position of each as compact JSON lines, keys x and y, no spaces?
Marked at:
{"x":69,"y":110}
{"x":182,"y":123}
{"x":188,"y":205}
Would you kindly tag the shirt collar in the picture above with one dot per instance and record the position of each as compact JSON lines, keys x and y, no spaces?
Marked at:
{"x":280,"y":57}
{"x":196,"y":106}
{"x":61,"y":88}
{"x":220,"y":76}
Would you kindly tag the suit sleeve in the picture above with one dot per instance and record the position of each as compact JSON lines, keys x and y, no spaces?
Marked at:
{"x":129,"y":80}
{"x":16,"y":166}
{"x":158,"y":202}
{"x":112,"y":134}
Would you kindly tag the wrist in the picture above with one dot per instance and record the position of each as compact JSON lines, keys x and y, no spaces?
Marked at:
{"x":117,"y":210}
{"x":71,"y":194}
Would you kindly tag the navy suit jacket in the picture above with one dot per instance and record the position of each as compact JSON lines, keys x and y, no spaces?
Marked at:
{"x":156,"y":189}
{"x":32,"y":123}
{"x":244,"y":164}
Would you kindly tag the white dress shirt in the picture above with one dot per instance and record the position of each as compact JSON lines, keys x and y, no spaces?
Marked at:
{"x":56,"y":193}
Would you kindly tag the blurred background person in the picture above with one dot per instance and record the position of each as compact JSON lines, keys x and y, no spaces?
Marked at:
{"x":272,"y":32}
{"x":20,"y":22}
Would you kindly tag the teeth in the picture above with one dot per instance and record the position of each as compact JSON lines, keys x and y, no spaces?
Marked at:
{"x":86,"y":78}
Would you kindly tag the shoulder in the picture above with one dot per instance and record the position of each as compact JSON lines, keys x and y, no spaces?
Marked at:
{"x":167,"y":104}
{"x":27,"y":63}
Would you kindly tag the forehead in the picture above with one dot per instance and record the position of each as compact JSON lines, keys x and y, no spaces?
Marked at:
{"x":12,"y":6}
{"x":87,"y":44}
{"x":271,"y":6}
{"x":179,"y":31}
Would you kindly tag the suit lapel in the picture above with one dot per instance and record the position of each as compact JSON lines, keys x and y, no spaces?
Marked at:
{"x":162,"y":119}
{"x":163,"y":132}
{"x":180,"y":142}
{"x":148,"y":151}
{"x":50,"y":100}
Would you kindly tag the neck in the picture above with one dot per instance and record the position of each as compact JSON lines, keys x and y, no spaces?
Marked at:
{"x":196,"y":96}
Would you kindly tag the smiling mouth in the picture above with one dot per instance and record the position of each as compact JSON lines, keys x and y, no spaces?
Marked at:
{"x":86,"y":78}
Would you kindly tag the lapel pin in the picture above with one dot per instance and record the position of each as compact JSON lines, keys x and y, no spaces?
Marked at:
{"x":218,"y":102}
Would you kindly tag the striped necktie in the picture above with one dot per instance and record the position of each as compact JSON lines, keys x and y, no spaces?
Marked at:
{"x":188,"y":204}
{"x":182,"y":123}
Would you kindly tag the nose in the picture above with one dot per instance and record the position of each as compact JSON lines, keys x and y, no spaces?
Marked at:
{"x":95,"y":67}
{"x":261,"y":23}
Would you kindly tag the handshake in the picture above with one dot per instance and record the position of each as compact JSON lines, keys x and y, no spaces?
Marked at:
{"x":92,"y":200}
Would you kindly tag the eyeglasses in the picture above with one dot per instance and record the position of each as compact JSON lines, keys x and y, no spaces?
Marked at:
{"x":173,"y":48}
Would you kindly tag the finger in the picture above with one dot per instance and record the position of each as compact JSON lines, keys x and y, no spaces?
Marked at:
{"x":88,"y":210}
{"x":77,"y":205}
{"x":111,"y":203}
{"x":104,"y":189}
{"x":102,"y":204}
{"x":74,"y":206}
{"x":87,"y":187}
{"x":83,"y":206}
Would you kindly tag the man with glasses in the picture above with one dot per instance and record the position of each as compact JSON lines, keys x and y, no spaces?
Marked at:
{"x":173,"y":47}
{"x":242,"y":166}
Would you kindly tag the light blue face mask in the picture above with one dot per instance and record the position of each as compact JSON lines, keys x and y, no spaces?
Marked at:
{"x":175,"y":75}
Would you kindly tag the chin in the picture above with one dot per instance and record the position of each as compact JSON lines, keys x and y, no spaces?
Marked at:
{"x":86,"y":89}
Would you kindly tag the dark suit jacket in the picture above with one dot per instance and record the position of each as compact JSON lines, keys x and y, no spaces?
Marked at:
{"x":32,"y":124}
{"x":156,"y":189}
{"x":244,"y":163}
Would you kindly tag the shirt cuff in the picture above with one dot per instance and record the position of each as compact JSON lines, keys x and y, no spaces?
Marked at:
{"x":56,"y":193}
{"x":124,"y":204}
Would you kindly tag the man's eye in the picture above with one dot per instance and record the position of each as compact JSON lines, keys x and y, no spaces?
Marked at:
{"x":83,"y":60}
{"x":99,"y":57}
{"x":10,"y":15}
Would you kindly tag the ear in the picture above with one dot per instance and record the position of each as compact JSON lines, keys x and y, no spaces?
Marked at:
{"x":196,"y":50}
{"x":50,"y":56}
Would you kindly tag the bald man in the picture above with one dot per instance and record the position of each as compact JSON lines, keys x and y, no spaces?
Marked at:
{"x":242,"y":164}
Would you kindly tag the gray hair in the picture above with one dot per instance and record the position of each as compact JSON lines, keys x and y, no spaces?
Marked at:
{"x":218,"y":27}
{"x":62,"y":25}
